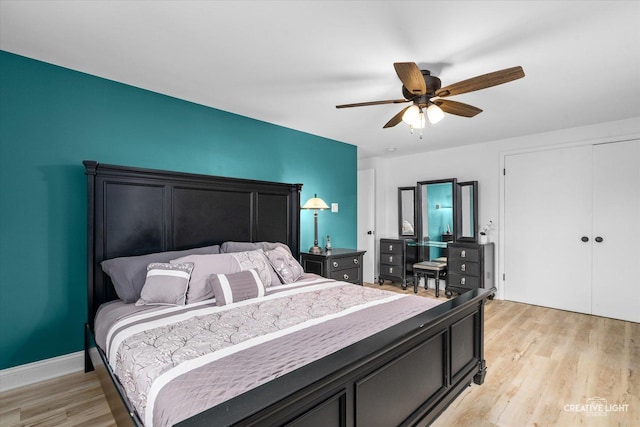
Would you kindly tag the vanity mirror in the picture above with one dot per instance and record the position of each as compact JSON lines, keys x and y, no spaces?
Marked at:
{"x":467,"y":194}
{"x":407,"y":212}
{"x":437,"y":215}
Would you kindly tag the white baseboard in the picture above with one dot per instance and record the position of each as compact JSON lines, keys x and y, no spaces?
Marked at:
{"x":42,"y":370}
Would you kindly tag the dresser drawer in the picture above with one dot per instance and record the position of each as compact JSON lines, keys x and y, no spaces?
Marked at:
{"x":344,"y":262}
{"x":470,"y":254}
{"x":391,"y":247}
{"x":392,"y":259}
{"x":348,"y":275}
{"x":396,"y":271}
{"x":463,"y":281}
{"x":462,"y":266}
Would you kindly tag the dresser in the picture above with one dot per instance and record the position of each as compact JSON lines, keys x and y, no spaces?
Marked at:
{"x":396,"y":259}
{"x":470,"y":266}
{"x":338,"y":264}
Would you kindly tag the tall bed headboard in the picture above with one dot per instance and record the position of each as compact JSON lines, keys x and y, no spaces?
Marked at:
{"x":135,"y":211}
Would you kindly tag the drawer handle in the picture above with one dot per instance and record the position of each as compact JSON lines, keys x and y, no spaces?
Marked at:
{"x":462,"y":281}
{"x":335,"y":264}
{"x":346,"y":277}
{"x":390,"y":270}
{"x":463,"y":254}
{"x":355,"y":260}
{"x":463,"y":267}
{"x":390,"y":247}
{"x":391,"y":258}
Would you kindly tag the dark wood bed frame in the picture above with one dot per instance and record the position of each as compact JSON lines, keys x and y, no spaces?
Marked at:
{"x":405,"y":375}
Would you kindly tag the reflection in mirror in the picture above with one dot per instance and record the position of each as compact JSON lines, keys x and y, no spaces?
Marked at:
{"x":468,"y":203}
{"x":437,"y":207}
{"x":407,"y":212}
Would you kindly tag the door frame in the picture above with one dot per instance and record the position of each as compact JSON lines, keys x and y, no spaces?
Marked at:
{"x":367,"y":191}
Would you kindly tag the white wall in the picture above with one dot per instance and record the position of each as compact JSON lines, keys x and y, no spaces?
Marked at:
{"x":481,"y":162}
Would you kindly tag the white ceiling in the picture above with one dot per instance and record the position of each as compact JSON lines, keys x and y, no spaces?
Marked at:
{"x":291,"y":62}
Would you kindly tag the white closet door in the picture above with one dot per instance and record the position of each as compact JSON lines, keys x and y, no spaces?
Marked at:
{"x":547,"y":211}
{"x":616,"y":219}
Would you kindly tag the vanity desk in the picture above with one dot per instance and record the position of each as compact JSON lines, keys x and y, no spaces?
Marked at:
{"x":438,"y":238}
{"x":398,"y":258}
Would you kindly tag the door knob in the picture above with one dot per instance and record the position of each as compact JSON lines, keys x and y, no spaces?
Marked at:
{"x":370,"y":232}
{"x":584,"y":239}
{"x":599,"y":239}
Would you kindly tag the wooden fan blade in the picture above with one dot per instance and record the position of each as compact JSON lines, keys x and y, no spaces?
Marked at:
{"x":457,"y":108}
{"x":363,"y":104}
{"x":482,"y":82}
{"x":396,"y":119}
{"x":411,"y":77}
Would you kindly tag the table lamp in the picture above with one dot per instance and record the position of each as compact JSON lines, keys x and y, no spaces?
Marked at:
{"x":315,"y":203}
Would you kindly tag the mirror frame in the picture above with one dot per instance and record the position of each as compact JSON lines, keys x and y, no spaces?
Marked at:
{"x":459,"y":237}
{"x":454,"y":190}
{"x":402,"y":190}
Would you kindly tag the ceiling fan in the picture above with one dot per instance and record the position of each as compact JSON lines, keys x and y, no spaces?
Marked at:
{"x":425,"y":91}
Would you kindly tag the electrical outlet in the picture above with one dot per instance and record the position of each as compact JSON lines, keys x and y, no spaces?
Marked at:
{"x":334,"y":207}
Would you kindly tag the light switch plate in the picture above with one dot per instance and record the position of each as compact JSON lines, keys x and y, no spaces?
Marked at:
{"x":334,"y":207}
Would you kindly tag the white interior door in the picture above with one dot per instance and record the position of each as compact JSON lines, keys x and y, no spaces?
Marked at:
{"x":366,"y":222}
{"x":548,"y":207}
{"x":616,"y":220}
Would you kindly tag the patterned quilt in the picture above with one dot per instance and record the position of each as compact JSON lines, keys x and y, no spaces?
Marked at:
{"x":176,"y":362}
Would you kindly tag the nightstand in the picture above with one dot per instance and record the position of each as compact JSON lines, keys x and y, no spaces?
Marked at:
{"x":337,"y":264}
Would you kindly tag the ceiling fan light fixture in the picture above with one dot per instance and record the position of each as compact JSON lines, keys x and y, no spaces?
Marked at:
{"x":434,"y":113}
{"x":419,"y":122}
{"x":411,"y":115}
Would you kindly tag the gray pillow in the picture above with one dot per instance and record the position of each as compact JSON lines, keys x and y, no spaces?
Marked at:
{"x":229,"y":247}
{"x":166,"y":284}
{"x":128,"y":274}
{"x":206,"y":265}
{"x":235,"y":287}
{"x":287,"y":267}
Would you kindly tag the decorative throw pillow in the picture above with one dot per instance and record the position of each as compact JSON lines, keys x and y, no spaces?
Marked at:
{"x":206,"y":265}
{"x":235,"y":287}
{"x":258,"y":260}
{"x":128,"y":274}
{"x":287,"y":267}
{"x":166,"y":284}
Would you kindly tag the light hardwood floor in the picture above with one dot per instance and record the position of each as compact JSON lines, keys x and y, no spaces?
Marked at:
{"x":545,"y":367}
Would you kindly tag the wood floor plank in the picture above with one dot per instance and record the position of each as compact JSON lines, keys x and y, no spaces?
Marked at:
{"x":544,"y":367}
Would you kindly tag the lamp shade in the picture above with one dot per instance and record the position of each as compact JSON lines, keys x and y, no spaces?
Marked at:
{"x":435,"y":114}
{"x":315,"y":203}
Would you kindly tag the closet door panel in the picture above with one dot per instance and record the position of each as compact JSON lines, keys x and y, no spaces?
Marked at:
{"x":616,"y":219}
{"x":548,"y":209}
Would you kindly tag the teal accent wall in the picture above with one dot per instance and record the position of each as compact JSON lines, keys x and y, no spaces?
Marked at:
{"x":52,"y":118}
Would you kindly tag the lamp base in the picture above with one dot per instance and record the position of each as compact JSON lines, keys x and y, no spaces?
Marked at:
{"x":315,"y":250}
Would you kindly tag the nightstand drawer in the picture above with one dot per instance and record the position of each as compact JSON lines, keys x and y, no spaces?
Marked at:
{"x":351,"y":275}
{"x":345,"y":262}
{"x":337,"y":264}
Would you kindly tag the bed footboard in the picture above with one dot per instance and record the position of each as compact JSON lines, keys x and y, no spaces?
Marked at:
{"x":406,"y":375}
